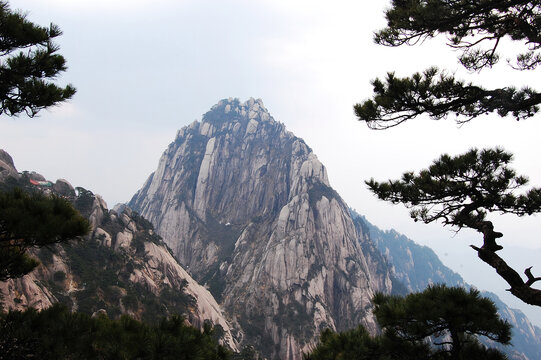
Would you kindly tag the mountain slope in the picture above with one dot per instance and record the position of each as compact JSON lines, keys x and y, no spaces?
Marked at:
{"x":248,"y":209}
{"x":418,"y":266}
{"x":122,"y":267}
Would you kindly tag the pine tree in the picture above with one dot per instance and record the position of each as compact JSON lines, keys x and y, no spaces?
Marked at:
{"x":57,"y":333}
{"x":476,"y":29}
{"x":452,"y":317}
{"x":358,"y":344}
{"x":460,"y":191}
{"x":28,"y":62}
{"x":30,"y":220}
{"x":438,"y":323}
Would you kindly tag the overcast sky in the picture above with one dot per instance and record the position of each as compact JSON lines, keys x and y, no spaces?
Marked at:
{"x":145,"y":68}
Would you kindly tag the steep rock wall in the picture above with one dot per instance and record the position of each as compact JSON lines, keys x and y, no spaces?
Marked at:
{"x":248,"y":209}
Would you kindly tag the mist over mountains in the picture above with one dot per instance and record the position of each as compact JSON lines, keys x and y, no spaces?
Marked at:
{"x":252,"y":238}
{"x":248,"y":209}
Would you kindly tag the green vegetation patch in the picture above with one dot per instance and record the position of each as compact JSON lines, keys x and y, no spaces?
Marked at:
{"x":56,"y":333}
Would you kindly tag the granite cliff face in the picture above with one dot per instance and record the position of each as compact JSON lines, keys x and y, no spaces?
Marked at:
{"x":248,"y":209}
{"x":121,"y":267}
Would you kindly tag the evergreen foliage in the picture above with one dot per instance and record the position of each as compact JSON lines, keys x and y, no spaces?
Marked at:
{"x":438,"y":323}
{"x":461,"y":190}
{"x":56,"y":333}
{"x":358,"y":344}
{"x":469,"y":26}
{"x":104,"y":272}
{"x":247,"y":353}
{"x":454,"y":316}
{"x":30,"y":220}
{"x":28,"y":62}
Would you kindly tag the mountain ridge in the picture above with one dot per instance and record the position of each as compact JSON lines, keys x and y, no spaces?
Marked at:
{"x":248,"y":212}
{"x":289,"y":244}
{"x":121,"y":267}
{"x":404,"y":255}
{"x":211,"y":177}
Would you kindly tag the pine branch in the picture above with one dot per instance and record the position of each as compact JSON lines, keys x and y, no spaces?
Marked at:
{"x":28,"y":65}
{"x":531,"y":278}
{"x":436,"y":94}
{"x":519,"y":288}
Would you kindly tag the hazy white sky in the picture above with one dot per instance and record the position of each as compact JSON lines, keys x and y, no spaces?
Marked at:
{"x":145,"y":68}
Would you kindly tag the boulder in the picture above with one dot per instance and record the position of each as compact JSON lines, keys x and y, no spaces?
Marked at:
{"x":63,"y":187}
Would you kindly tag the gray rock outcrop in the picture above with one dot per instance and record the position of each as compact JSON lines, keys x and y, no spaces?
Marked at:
{"x":7,"y":167}
{"x":120,"y":267}
{"x":64,"y":188}
{"x":248,"y":209}
{"x":6,"y":162}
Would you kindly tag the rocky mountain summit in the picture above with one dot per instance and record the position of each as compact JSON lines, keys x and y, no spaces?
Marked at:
{"x":244,"y":208}
{"x":247,"y":207}
{"x":122,"y":267}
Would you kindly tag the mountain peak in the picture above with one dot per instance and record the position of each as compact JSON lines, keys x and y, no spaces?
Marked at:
{"x":232,"y":110}
{"x":252,"y":109}
{"x":231,"y":115}
{"x":247,"y":207}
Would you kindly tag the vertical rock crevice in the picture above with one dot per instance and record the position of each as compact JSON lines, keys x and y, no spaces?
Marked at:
{"x":262,"y":228}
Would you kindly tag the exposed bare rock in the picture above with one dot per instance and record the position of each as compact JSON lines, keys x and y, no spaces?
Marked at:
{"x":30,"y":291}
{"x":100,"y":312}
{"x":99,"y":209}
{"x":6,"y":162}
{"x":162,"y":262}
{"x":25,"y":292}
{"x":248,"y":209}
{"x":64,"y":188}
{"x":123,"y":240}
{"x":121,"y":267}
{"x":103,"y":236}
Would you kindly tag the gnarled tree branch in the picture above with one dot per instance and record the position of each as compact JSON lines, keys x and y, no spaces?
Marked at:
{"x":460,"y":191}
{"x":519,"y":288}
{"x":437,"y":94}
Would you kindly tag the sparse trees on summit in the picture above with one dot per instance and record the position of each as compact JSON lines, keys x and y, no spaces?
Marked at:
{"x":460,"y":191}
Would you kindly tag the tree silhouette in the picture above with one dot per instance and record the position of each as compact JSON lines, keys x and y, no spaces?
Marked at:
{"x":358,"y":344}
{"x":33,"y":220}
{"x":57,"y":333}
{"x":460,"y":191}
{"x":28,"y":61}
{"x":453,"y":317}
{"x":468,"y":26}
{"x":438,"y":323}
